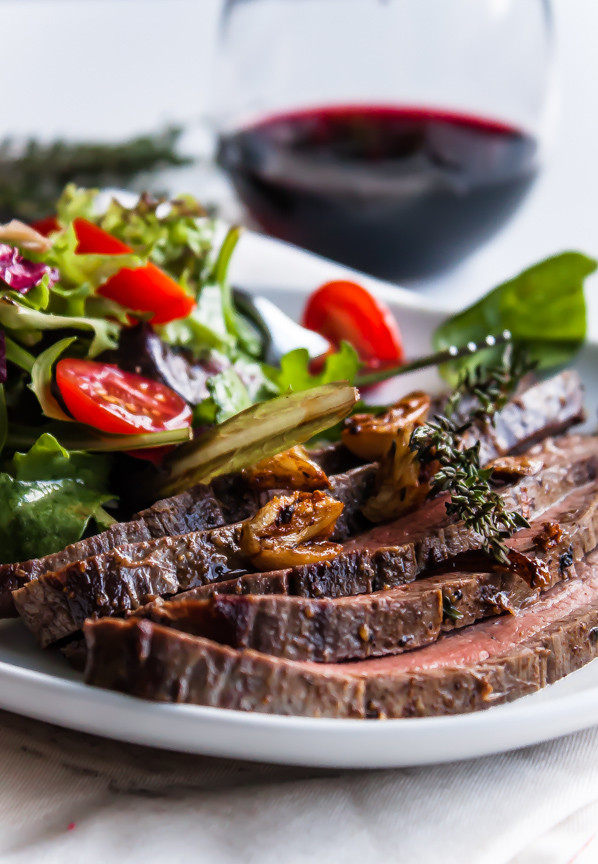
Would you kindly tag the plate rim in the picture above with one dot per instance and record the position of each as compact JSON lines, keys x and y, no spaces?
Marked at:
{"x":46,"y":696}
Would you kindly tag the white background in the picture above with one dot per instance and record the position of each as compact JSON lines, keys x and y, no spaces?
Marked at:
{"x":109,"y":68}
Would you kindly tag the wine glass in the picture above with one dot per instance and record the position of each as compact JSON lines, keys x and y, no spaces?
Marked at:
{"x":394,"y":136}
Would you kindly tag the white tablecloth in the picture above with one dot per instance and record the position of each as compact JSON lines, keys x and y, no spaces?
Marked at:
{"x":66,"y":796}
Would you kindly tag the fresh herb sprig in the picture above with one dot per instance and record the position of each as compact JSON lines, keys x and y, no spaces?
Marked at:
{"x":489,"y":386}
{"x":472,"y":499}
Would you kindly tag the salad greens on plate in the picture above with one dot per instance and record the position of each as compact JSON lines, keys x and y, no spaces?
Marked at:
{"x":123,"y":355}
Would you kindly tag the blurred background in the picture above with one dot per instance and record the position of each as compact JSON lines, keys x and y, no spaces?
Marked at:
{"x":133,"y":92}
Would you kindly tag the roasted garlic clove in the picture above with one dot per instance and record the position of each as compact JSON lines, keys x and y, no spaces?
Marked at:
{"x":292,"y":469}
{"x":310,"y":553}
{"x":283,"y":532}
{"x":370,"y":437}
{"x":399,"y":486}
{"x":507,"y":468}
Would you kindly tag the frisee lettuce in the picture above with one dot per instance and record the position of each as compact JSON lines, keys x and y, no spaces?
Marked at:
{"x":176,"y":235}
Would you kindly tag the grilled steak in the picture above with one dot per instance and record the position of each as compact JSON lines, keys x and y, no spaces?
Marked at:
{"x":228,"y":500}
{"x":329,"y":631}
{"x":477,"y":667}
{"x":194,"y":510}
{"x":168,"y":565}
{"x":392,"y":621}
{"x":319,"y":630}
{"x":116,"y":582}
{"x":424,"y":539}
{"x":547,"y":408}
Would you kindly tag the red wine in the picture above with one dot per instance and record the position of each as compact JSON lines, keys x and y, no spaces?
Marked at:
{"x":398,"y":192}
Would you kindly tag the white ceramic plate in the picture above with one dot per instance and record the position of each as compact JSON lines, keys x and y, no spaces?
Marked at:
{"x":40,"y":684}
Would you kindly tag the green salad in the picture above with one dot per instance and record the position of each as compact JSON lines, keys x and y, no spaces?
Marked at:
{"x":126,"y":365}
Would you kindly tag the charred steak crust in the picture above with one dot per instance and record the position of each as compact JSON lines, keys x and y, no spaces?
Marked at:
{"x":195,"y":510}
{"x":483,"y":665}
{"x":56,"y":605}
{"x":204,"y":507}
{"x":392,"y":621}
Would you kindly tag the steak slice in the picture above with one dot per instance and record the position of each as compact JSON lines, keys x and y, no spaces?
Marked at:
{"x":201,"y":508}
{"x":318,"y":630}
{"x":56,"y":604}
{"x":194,"y":510}
{"x":396,"y":620}
{"x":483,"y":665}
{"x":546,"y":408}
{"x":393,"y":554}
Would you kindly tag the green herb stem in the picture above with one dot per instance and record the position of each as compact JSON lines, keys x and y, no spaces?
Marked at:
{"x":446,"y":355}
{"x":472,"y":500}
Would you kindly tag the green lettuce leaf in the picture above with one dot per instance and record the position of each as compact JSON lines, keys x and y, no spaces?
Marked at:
{"x":544,"y":307}
{"x":175,"y":235}
{"x":203,"y":329}
{"x":294,"y":374}
{"x":228,"y":396}
{"x":30,"y":323}
{"x":215,"y":322}
{"x":49,"y":497}
{"x":3,"y":419}
{"x":41,"y":379}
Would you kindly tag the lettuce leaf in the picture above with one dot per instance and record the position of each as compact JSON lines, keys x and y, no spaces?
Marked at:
{"x":3,"y":419}
{"x":30,"y":323}
{"x":3,"y":369}
{"x":294,"y":374}
{"x":41,"y":379}
{"x":228,"y":396}
{"x":543,"y":307}
{"x":49,"y":497}
{"x":176,"y":235}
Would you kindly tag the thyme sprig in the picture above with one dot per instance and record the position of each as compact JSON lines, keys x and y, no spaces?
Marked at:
{"x":490,"y":387}
{"x":459,"y":473}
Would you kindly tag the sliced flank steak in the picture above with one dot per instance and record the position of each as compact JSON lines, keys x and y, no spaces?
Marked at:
{"x":231,"y":499}
{"x":195,"y":510}
{"x":479,"y":666}
{"x":227,"y":500}
{"x":399,"y":619}
{"x":55,"y":605}
{"x":549,"y":407}
{"x":398,"y":552}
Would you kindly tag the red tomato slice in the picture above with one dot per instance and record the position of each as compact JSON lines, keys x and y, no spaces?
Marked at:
{"x":46,"y":226}
{"x":146,"y":289}
{"x":106,"y":398}
{"x":345,"y":310}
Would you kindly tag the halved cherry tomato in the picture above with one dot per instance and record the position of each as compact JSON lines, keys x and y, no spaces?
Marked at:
{"x":145,"y":289}
{"x":105,"y":397}
{"x":46,"y":226}
{"x":345,"y":310}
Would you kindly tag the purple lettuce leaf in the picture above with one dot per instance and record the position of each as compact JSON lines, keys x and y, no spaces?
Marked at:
{"x":3,"y":372}
{"x":19,"y":273}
